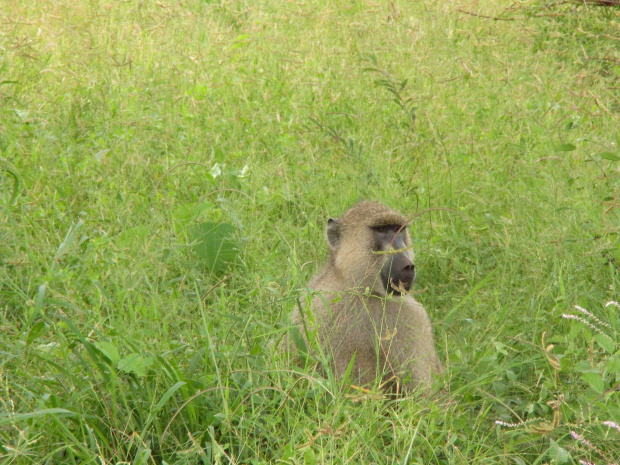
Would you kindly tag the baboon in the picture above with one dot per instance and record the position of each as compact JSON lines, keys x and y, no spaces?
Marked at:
{"x":361,"y":312}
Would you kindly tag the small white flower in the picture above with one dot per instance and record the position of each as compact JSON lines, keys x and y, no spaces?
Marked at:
{"x":216,"y":170}
{"x":244,"y":173}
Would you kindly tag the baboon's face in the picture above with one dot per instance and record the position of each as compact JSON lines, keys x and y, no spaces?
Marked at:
{"x":372,"y":252}
{"x":397,"y":270}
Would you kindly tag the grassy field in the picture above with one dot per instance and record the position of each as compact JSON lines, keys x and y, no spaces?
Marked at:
{"x":138,"y":136}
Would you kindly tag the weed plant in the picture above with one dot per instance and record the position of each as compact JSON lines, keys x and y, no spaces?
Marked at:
{"x":166,"y":172}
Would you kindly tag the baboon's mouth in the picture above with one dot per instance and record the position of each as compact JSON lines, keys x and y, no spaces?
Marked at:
{"x":401,"y":287}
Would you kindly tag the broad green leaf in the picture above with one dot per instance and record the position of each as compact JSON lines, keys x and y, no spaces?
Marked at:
{"x":564,"y":148}
{"x":36,"y":331}
{"x":135,"y":363}
{"x":609,"y":156}
{"x":557,"y":453}
{"x":613,"y":365}
{"x":309,"y":457}
{"x":606,"y":343}
{"x":189,"y":211}
{"x":595,"y":381}
{"x":215,"y":245}
{"x":583,"y":366}
{"x":109,"y":350}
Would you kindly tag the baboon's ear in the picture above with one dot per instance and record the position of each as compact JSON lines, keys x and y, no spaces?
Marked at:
{"x":333,"y":233}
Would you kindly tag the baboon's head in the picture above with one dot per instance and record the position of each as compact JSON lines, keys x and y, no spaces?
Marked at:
{"x":361,"y":242}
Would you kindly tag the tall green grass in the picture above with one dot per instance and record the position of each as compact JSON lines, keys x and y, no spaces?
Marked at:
{"x":135,"y":136}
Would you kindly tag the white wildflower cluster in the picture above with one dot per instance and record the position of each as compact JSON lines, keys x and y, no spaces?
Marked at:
{"x":596,"y":326}
{"x":507,"y":425}
{"x":218,"y":168}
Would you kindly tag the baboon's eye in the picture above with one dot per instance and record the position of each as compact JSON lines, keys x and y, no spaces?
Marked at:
{"x":382,"y":229}
{"x":385,"y":228}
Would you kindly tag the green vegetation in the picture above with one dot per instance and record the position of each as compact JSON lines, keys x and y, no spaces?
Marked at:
{"x":138,"y":138}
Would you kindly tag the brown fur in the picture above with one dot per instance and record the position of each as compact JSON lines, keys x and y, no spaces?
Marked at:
{"x":390,"y":336}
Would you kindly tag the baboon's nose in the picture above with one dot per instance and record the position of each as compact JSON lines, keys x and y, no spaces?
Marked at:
{"x":409,"y":272}
{"x":399,"y":274}
{"x":407,"y":275}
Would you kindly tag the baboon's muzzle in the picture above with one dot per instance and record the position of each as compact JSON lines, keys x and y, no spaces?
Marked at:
{"x":398,"y":273}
